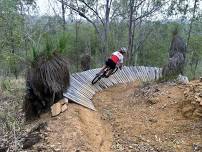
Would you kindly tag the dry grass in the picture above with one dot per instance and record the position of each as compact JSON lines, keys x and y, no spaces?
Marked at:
{"x":11,"y":116}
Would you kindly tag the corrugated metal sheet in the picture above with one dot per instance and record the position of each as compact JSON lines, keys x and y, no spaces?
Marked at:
{"x":81,"y":90}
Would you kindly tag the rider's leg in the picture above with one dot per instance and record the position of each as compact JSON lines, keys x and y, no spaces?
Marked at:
{"x":109,"y":73}
{"x":102,"y":69}
{"x":112,"y":66}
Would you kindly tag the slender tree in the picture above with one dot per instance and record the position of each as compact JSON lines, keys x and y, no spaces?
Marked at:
{"x":86,"y":8}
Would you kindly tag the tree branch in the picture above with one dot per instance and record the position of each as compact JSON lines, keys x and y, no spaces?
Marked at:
{"x":94,"y":11}
{"x":83,"y":15}
{"x":114,"y":12}
{"x":136,"y":6}
{"x":146,"y":14}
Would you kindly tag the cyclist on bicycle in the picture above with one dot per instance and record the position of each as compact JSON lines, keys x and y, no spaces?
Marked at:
{"x":116,"y":59}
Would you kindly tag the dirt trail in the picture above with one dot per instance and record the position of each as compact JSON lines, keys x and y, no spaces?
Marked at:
{"x":76,"y":130}
{"x":128,"y":119}
{"x":143,"y":124}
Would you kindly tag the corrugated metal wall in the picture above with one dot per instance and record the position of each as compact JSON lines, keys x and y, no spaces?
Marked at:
{"x":81,"y":90}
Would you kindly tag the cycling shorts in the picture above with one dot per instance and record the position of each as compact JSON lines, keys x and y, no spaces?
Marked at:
{"x":111,"y":63}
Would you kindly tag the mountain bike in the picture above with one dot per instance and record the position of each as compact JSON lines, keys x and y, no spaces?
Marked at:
{"x":105,"y":74}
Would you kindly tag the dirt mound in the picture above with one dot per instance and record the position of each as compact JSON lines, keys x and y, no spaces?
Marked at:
{"x":136,"y":117}
{"x":148,"y":118}
{"x":76,"y":130}
{"x":130,"y":118}
{"x":192,"y":103}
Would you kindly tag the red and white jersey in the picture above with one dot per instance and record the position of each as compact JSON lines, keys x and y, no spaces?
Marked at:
{"x":117,"y":57}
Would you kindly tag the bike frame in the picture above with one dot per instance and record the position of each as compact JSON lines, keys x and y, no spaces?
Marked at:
{"x":104,"y":74}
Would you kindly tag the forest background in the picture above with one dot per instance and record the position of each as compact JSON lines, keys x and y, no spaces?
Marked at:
{"x":97,"y":28}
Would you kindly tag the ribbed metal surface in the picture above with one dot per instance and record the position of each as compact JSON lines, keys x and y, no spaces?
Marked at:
{"x":81,"y":90}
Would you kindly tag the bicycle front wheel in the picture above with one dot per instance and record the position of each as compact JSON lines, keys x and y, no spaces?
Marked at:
{"x":96,"y":79}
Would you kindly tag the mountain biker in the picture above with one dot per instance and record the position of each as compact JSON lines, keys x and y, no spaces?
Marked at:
{"x":116,"y":59}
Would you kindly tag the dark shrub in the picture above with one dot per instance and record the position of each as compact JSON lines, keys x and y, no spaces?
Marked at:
{"x":46,"y":81}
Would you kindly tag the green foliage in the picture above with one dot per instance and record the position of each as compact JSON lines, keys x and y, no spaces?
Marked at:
{"x":49,"y":44}
{"x":34,"y":53}
{"x":154,"y":50}
{"x":62,"y":44}
{"x":12,"y":40}
{"x":196,"y":46}
{"x":193,"y":69}
{"x":26,"y":37}
{"x":5,"y":85}
{"x":11,"y":62}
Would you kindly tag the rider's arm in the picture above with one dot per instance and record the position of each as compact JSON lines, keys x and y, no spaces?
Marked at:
{"x":120,"y":65}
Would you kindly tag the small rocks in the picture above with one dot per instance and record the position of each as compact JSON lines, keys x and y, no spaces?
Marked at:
{"x":192,"y":104}
{"x":107,"y":114}
{"x":64,"y":108}
{"x":118,"y":147}
{"x":48,"y":129}
{"x":147,"y":91}
{"x":56,"y":109}
{"x":186,"y":92}
{"x":182,"y":79}
{"x":197,"y":147}
{"x":157,"y":90}
{"x":197,"y":112}
{"x":59,"y":107}
{"x":57,"y":149}
{"x":152,"y":120}
{"x":34,"y":136}
{"x":2,"y":149}
{"x":168,"y":96}
{"x":188,"y":110}
{"x":153,"y":100}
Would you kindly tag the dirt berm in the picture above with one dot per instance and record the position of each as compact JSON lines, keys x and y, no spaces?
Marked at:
{"x":130,"y":118}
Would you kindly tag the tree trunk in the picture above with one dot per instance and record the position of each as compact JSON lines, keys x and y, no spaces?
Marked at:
{"x":63,"y":14}
{"x":195,"y":67}
{"x":130,"y":32}
{"x":76,"y":42}
{"x":132,"y":44}
{"x":192,"y":20}
{"x":106,"y":27}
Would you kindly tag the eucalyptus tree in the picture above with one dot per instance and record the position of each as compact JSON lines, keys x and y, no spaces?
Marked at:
{"x":190,"y":13}
{"x":139,"y":12}
{"x":195,"y":47}
{"x":97,"y":13}
{"x":63,"y":8}
{"x":136,"y":13}
{"x":186,"y":10}
{"x":12,"y":28}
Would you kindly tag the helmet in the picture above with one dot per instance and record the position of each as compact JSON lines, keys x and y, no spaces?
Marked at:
{"x":123,"y":49}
